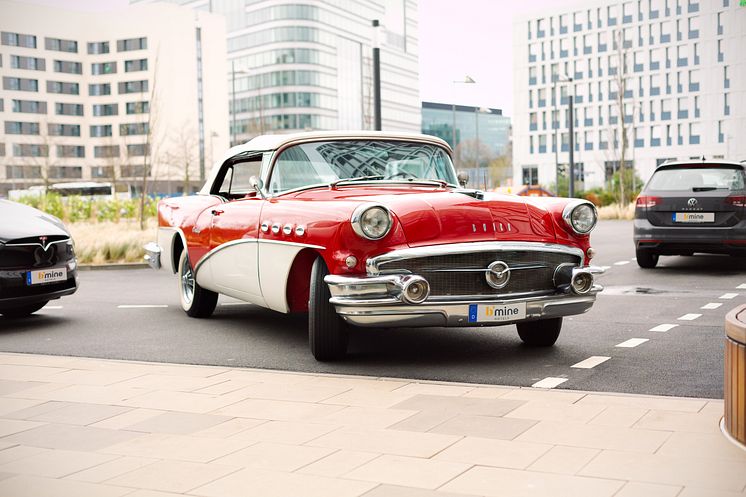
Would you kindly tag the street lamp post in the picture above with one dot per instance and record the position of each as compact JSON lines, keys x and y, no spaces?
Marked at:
{"x":233,"y":98}
{"x":376,"y":76}
{"x":571,"y":181}
{"x":468,"y":80}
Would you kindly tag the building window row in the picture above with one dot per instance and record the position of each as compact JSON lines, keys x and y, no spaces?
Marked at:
{"x":277,"y":35}
{"x":63,"y":87}
{"x":60,"y":45}
{"x":17,"y":40}
{"x":131,"y":44}
{"x":608,"y":16}
{"x":282,"y":12}
{"x":31,"y":63}
{"x":639,"y":137}
{"x":283,"y":100}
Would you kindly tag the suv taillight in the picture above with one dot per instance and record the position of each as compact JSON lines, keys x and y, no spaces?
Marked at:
{"x":737,"y":200}
{"x":647,"y":201}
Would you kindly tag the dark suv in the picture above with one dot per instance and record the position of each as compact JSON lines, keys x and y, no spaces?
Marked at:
{"x":689,"y":207}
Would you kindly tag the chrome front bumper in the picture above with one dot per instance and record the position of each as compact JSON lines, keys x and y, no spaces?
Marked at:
{"x":378,"y":301}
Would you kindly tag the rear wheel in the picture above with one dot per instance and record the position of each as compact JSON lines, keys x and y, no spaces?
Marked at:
{"x":542,"y":333}
{"x":23,"y":310}
{"x":195,"y":300}
{"x":327,"y":332}
{"x":646,"y":259}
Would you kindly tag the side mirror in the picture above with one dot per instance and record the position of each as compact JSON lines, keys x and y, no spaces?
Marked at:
{"x":463,"y":178}
{"x":257,"y":184}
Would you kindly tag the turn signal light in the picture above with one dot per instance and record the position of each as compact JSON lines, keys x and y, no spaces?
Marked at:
{"x":647,"y":201}
{"x":737,"y":200}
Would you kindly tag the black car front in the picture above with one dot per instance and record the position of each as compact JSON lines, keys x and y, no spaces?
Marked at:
{"x":37,"y":260}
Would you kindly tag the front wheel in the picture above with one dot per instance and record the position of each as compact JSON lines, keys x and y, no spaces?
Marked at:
{"x":542,"y":333}
{"x":196,"y":301}
{"x":23,"y":310}
{"x":327,"y":332}
{"x":646,"y":259}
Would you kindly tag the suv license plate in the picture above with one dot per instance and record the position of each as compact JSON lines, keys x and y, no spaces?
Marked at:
{"x":39,"y":276}
{"x":481,"y":313}
{"x":693,"y":217}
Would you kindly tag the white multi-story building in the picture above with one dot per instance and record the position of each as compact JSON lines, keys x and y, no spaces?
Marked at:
{"x":679,"y":65}
{"x":101,"y":96}
{"x":308,"y":65}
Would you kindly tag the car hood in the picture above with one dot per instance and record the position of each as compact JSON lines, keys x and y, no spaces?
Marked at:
{"x":452,"y":217}
{"x":21,"y":221}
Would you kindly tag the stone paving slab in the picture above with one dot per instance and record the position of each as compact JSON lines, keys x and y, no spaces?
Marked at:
{"x":89,"y":427}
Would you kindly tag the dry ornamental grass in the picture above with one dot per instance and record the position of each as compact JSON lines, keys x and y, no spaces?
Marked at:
{"x":106,"y":242}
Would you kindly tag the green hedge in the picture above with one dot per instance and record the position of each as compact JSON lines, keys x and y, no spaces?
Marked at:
{"x":76,"y":208}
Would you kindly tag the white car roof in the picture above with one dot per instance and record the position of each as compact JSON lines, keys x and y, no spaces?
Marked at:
{"x":265,"y":143}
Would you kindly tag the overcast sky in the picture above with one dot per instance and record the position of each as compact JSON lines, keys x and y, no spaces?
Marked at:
{"x":458,"y":38}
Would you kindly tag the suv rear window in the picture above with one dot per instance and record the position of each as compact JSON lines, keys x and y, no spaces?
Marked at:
{"x":702,"y":178}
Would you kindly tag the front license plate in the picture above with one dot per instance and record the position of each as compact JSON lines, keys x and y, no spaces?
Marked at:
{"x":693,"y":217}
{"x":39,"y":276}
{"x":482,"y":313}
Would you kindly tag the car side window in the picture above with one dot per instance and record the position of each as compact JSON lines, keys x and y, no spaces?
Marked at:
{"x":235,"y":182}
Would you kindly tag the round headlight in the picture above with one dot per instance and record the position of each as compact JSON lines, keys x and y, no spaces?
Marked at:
{"x":581,"y":217}
{"x":371,"y":222}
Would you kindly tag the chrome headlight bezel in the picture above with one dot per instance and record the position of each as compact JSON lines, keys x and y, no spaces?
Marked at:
{"x":358,"y":221}
{"x":568,"y":214}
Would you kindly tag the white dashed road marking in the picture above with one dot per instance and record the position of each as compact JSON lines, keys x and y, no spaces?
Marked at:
{"x":728,"y":296}
{"x":689,"y":317}
{"x":605,"y":267}
{"x":663,"y":327}
{"x":621,"y":263}
{"x":711,"y":305}
{"x":549,"y":382}
{"x":632,"y":342}
{"x":142,"y":306}
{"x":742,"y":286}
{"x":591,"y":362}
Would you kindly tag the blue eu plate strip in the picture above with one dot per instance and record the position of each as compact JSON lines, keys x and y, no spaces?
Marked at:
{"x":472,"y":313}
{"x":28,"y":278}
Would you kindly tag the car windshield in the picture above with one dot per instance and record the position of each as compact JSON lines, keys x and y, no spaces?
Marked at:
{"x":697,"y":178}
{"x":359,"y":160}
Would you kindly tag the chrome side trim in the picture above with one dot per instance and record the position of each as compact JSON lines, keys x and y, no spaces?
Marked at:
{"x":218,"y":249}
{"x":294,"y":244}
{"x":373,"y":264}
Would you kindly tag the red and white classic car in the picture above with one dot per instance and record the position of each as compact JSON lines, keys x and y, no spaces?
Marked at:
{"x":374,"y":229}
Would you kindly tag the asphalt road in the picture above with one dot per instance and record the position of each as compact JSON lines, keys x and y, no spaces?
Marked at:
{"x":686,"y":360}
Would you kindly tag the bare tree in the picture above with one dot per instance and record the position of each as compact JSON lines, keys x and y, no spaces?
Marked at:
{"x":151,"y":149}
{"x":183,"y":153}
{"x":473,"y":153}
{"x":620,"y":135}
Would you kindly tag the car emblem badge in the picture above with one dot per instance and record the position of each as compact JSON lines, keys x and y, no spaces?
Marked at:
{"x":692,"y":202}
{"x":497,"y":275}
{"x":43,"y":240}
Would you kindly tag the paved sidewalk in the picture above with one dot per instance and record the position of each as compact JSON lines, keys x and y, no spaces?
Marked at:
{"x":82,"y":427}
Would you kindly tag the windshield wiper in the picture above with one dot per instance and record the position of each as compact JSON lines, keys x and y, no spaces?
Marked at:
{"x":352,"y":180}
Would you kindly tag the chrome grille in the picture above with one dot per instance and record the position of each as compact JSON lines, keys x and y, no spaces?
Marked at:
{"x":464,"y":274}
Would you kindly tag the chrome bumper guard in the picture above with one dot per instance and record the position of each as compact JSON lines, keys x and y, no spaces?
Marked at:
{"x":377,"y":301}
{"x":153,"y":255}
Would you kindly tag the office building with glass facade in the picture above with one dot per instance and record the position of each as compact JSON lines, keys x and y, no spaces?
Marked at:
{"x":669,"y":73}
{"x":300,"y":66}
{"x":477,"y":135}
{"x":102,"y":96}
